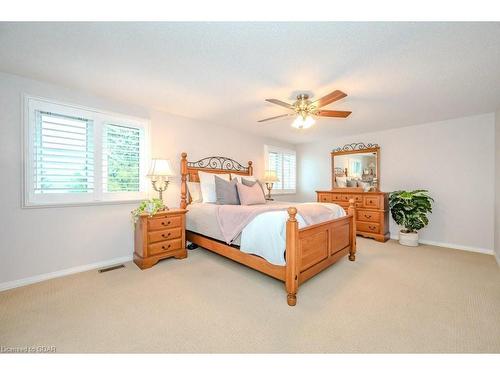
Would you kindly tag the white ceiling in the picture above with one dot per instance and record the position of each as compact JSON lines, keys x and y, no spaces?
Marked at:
{"x":395,"y":74}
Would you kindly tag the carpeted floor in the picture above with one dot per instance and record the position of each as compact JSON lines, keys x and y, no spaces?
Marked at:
{"x":392,"y":299}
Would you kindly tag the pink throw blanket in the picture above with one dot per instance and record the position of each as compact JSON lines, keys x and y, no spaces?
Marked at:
{"x":233,"y":219}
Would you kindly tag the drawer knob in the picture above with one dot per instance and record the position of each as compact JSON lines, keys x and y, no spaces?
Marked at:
{"x":165,"y":236}
{"x":165,"y":248}
{"x":163,"y":223}
{"x":368,"y":216}
{"x":372,"y":227}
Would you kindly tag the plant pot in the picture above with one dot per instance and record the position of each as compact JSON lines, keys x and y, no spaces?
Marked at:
{"x":408,"y":239}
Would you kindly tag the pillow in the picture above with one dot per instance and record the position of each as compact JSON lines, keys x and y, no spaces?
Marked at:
{"x":250,"y":194}
{"x":246,"y":182}
{"x":239,"y":177}
{"x":226,"y":191}
{"x":194,"y":190}
{"x":341,"y":182}
{"x":207,"y":184}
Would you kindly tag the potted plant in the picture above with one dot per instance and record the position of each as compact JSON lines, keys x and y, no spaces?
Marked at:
{"x":409,"y":209}
{"x":151,"y":207}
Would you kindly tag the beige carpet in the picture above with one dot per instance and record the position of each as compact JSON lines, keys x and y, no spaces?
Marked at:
{"x":392,"y":299}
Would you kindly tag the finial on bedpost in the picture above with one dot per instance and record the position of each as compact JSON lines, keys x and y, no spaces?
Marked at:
{"x":352,"y":211}
{"x":292,"y":257}
{"x":292,"y":211}
{"x":184,"y":180}
{"x":250,"y":168}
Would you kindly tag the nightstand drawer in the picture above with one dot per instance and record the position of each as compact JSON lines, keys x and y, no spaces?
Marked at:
{"x":164,"y":222}
{"x":163,"y":235}
{"x":164,"y":246}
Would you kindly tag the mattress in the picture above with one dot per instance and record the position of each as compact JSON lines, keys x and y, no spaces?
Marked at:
{"x":264,"y":236}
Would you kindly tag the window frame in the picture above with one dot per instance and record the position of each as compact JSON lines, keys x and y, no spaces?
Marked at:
{"x":31,"y":104}
{"x":281,"y":150}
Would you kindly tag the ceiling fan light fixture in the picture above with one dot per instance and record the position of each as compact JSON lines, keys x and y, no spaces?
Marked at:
{"x":303,"y":122}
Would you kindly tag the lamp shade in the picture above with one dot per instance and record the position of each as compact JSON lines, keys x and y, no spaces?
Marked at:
{"x":270,"y":176}
{"x":160,"y":167}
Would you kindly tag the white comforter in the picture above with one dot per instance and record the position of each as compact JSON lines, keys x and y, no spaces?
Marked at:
{"x":265,"y":235}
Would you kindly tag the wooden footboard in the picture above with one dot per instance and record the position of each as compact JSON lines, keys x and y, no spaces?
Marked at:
{"x":311,"y":249}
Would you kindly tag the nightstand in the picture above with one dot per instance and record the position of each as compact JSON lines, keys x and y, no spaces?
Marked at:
{"x":160,"y":236}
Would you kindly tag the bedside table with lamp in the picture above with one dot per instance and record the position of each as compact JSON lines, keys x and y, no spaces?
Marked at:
{"x":162,"y":234}
{"x":270,"y":177}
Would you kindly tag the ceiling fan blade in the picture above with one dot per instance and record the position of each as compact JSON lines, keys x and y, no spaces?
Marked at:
{"x":275,"y":117}
{"x":328,"y":113}
{"x":279,"y":102}
{"x":330,"y":98}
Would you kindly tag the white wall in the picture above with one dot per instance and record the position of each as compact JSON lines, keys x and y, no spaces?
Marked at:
{"x":497,"y":186}
{"x":42,"y":240}
{"x":453,"y":159}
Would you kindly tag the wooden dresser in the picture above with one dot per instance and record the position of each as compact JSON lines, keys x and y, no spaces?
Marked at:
{"x":160,"y":236}
{"x":372,"y":210}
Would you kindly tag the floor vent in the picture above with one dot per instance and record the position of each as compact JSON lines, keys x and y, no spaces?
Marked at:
{"x":111,"y":268}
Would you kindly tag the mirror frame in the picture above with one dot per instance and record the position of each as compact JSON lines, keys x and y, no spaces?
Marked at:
{"x":356,"y":148}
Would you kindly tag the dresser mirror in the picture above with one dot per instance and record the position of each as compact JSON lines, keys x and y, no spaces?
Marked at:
{"x":356,"y":166}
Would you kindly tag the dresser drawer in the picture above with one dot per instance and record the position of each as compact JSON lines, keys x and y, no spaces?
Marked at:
{"x":371,"y":202}
{"x":373,"y":216}
{"x":367,"y":227}
{"x":164,"y":246}
{"x":164,"y":222}
{"x":325,"y":197}
{"x":162,"y":235}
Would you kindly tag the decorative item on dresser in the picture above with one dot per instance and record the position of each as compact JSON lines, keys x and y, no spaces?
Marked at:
{"x":160,"y":236}
{"x":356,"y":175}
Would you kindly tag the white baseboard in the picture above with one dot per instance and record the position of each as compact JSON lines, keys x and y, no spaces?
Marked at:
{"x":65,"y":272}
{"x":452,"y":246}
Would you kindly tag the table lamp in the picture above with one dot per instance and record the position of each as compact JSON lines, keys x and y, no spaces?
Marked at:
{"x":270,"y":178}
{"x":159,"y":172}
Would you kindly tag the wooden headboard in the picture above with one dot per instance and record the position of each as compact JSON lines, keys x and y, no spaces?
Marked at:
{"x":211,"y":164}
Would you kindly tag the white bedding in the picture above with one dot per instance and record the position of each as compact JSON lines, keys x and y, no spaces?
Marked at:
{"x":264,"y":236}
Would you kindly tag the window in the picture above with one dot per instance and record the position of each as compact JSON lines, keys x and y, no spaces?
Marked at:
{"x":283,"y":162}
{"x":75,"y":155}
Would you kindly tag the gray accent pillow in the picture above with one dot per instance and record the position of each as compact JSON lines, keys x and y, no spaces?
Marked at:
{"x":251,"y":183}
{"x":226,"y":191}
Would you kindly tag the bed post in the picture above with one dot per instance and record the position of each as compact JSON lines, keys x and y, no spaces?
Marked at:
{"x":292,"y":255}
{"x":183,"y":180}
{"x":250,"y":168}
{"x":352,"y":211}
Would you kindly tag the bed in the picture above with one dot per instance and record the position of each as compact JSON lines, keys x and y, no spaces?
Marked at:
{"x":309,"y":248}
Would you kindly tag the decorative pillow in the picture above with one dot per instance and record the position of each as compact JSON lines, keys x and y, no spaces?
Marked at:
{"x":341,"y":182}
{"x":239,"y":177}
{"x":226,"y":191}
{"x":250,"y":194}
{"x":250,"y":183}
{"x":194,"y":189}
{"x":207,"y":183}
{"x":352,"y":183}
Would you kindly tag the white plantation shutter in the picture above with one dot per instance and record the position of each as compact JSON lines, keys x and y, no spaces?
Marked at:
{"x":121,"y":158}
{"x":75,"y":155}
{"x":63,"y":153}
{"x":283,"y":162}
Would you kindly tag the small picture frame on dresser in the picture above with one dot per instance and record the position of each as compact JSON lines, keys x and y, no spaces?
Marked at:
{"x":160,"y":236}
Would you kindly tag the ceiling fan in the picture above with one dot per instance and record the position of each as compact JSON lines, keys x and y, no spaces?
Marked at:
{"x":305,"y":109}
